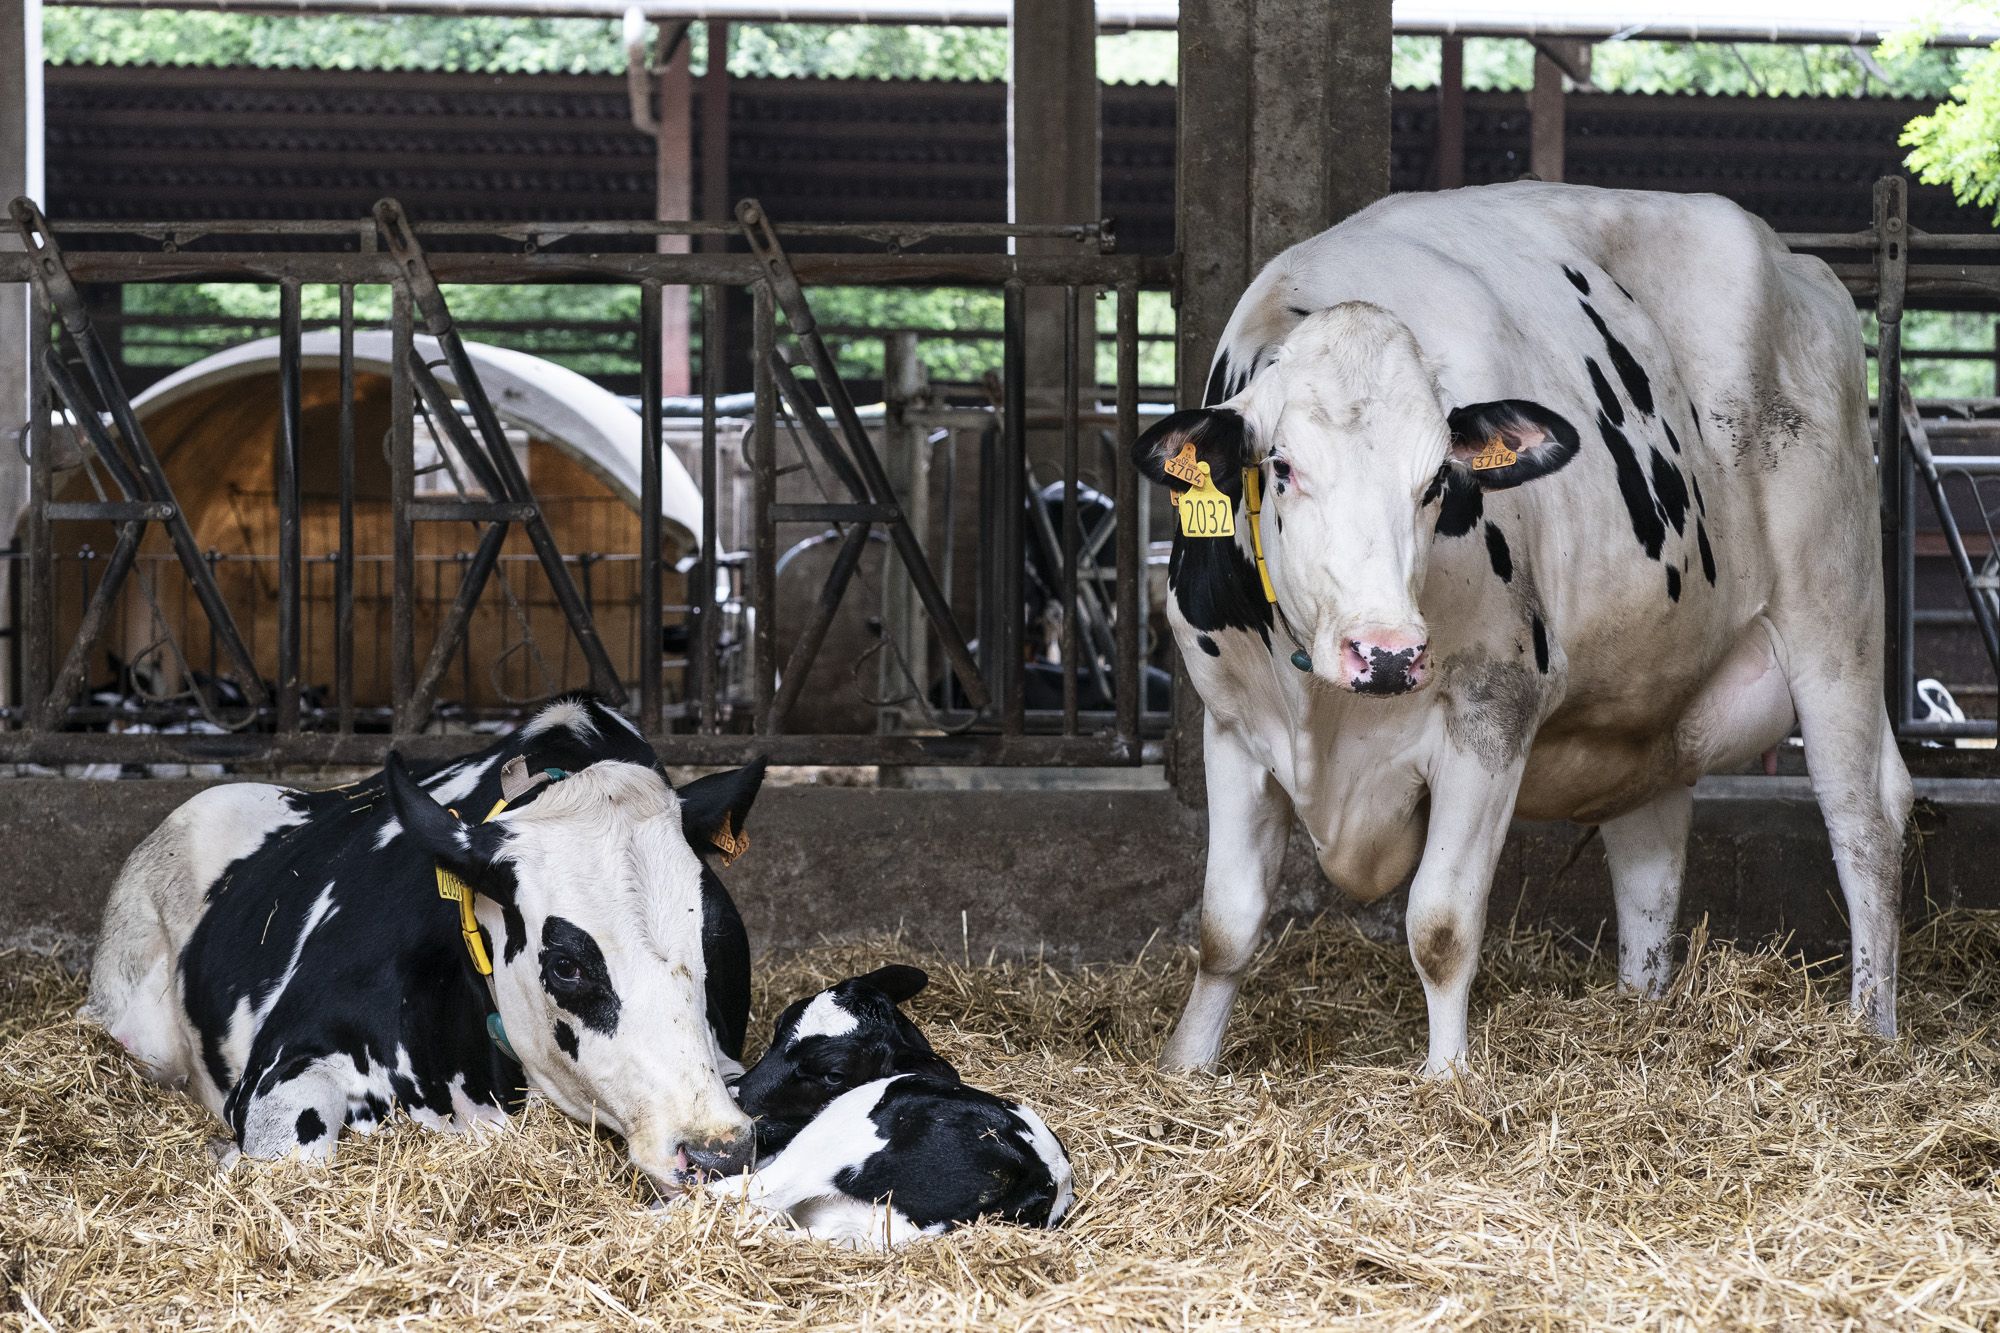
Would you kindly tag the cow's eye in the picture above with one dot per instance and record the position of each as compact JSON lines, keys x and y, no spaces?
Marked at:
{"x":564,"y":971}
{"x":831,"y":1077}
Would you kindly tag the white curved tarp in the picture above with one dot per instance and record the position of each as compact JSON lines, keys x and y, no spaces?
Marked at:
{"x":546,"y":401}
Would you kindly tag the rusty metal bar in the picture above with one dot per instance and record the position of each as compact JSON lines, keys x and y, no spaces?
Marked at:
{"x":402,"y":495}
{"x":1008,"y":507}
{"x":38,"y":587}
{"x":799,"y":665}
{"x":469,"y":511}
{"x":453,"y":627}
{"x":652,"y":439}
{"x":1926,"y":467}
{"x":814,"y":512}
{"x":96,"y":613}
{"x":58,"y":287}
{"x":800,"y":404}
{"x":418,"y":277}
{"x":763,"y":491}
{"x":108,"y":511}
{"x":611,"y":267}
{"x":1129,"y":691}
{"x":1897,"y":516}
{"x":1071,"y":533}
{"x":711,"y":511}
{"x":343,"y":568}
{"x":79,"y":406}
{"x":290,"y":602}
{"x":329,"y":748}
{"x":785,"y":285}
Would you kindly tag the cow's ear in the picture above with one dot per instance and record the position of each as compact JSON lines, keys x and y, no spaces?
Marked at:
{"x":1221,"y":439}
{"x":714,"y":809}
{"x":464,"y":849}
{"x":1512,"y":441}
{"x":898,"y":981}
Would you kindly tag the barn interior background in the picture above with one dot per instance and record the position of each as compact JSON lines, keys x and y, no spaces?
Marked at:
{"x":832,"y":473}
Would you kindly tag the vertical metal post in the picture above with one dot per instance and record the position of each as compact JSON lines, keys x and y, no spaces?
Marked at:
{"x":652,"y":431}
{"x":1009,"y":506}
{"x":1071,"y":536}
{"x":1130,"y":504}
{"x":289,"y":593}
{"x":905,"y":663}
{"x":343,"y":569}
{"x":40,"y":585}
{"x":711,"y":511}
{"x":1898,"y":526}
{"x":763,"y":491}
{"x":402,"y":494}
{"x":1451,"y":114}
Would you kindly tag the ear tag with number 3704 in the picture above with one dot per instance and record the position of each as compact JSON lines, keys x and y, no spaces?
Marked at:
{"x":1204,"y":511}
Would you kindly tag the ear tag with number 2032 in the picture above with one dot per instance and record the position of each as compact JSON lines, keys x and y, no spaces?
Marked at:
{"x":1204,"y":511}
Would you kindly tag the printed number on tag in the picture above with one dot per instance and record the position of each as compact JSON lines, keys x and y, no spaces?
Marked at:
{"x":1183,"y":467}
{"x":1206,"y":513}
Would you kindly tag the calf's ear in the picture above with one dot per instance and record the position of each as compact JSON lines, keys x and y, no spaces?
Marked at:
{"x":464,"y":849}
{"x":1220,"y":438}
{"x":714,"y":809}
{"x":1506,"y":443}
{"x":898,"y":981}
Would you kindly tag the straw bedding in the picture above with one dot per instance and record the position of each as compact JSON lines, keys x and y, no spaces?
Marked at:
{"x":1736,"y":1156}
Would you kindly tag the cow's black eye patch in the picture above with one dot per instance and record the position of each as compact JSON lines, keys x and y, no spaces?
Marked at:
{"x":575,"y":976}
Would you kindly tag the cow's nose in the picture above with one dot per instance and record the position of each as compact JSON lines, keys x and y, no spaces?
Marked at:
{"x":1384,"y":660}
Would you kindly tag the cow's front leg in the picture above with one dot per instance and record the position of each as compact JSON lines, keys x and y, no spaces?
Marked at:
{"x":301,"y":1113}
{"x":1470,"y":808}
{"x":1248,"y":818}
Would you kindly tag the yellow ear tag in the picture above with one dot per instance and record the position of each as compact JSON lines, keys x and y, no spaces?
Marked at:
{"x":450,"y":886}
{"x":1182,"y":466}
{"x":1496,"y":454}
{"x":1205,"y":511}
{"x":731,"y":845}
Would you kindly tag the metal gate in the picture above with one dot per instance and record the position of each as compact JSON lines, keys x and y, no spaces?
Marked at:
{"x":801,"y":407}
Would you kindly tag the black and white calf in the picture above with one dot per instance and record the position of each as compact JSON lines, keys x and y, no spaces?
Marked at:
{"x":288,"y":959}
{"x":876,"y":1141}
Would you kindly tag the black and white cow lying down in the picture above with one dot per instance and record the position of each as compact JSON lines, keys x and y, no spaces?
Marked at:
{"x":287,"y":958}
{"x":867,"y":1138}
{"x":1567,"y":499}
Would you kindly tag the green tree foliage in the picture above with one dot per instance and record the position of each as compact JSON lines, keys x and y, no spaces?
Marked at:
{"x":1959,"y":143}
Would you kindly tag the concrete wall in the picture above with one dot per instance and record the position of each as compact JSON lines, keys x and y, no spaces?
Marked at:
{"x":1091,"y":874}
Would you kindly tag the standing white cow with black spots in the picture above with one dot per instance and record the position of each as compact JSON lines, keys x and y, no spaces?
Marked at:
{"x":1564,"y":497}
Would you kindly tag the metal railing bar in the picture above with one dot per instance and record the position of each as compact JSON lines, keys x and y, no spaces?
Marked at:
{"x":652,"y":440}
{"x":287,"y":475}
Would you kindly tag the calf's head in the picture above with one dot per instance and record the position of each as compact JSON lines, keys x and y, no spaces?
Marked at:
{"x":591,"y":900}
{"x":1360,"y":461}
{"x":826,"y":1044}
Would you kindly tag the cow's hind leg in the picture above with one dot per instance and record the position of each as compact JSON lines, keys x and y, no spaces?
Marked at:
{"x":1647,"y":850}
{"x":1864,"y":795}
{"x":1248,"y":818}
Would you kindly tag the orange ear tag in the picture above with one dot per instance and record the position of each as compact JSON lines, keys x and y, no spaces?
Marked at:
{"x":1496,"y":454}
{"x":731,"y":845}
{"x":1182,"y":466}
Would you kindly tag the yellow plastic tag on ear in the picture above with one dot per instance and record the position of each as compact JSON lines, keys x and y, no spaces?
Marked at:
{"x":1496,"y":454}
{"x":457,"y":890}
{"x":731,"y":845}
{"x":1182,"y":466}
{"x":1205,"y":511}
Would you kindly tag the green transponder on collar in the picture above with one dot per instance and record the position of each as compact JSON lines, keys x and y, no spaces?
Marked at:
{"x":498,"y":1032}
